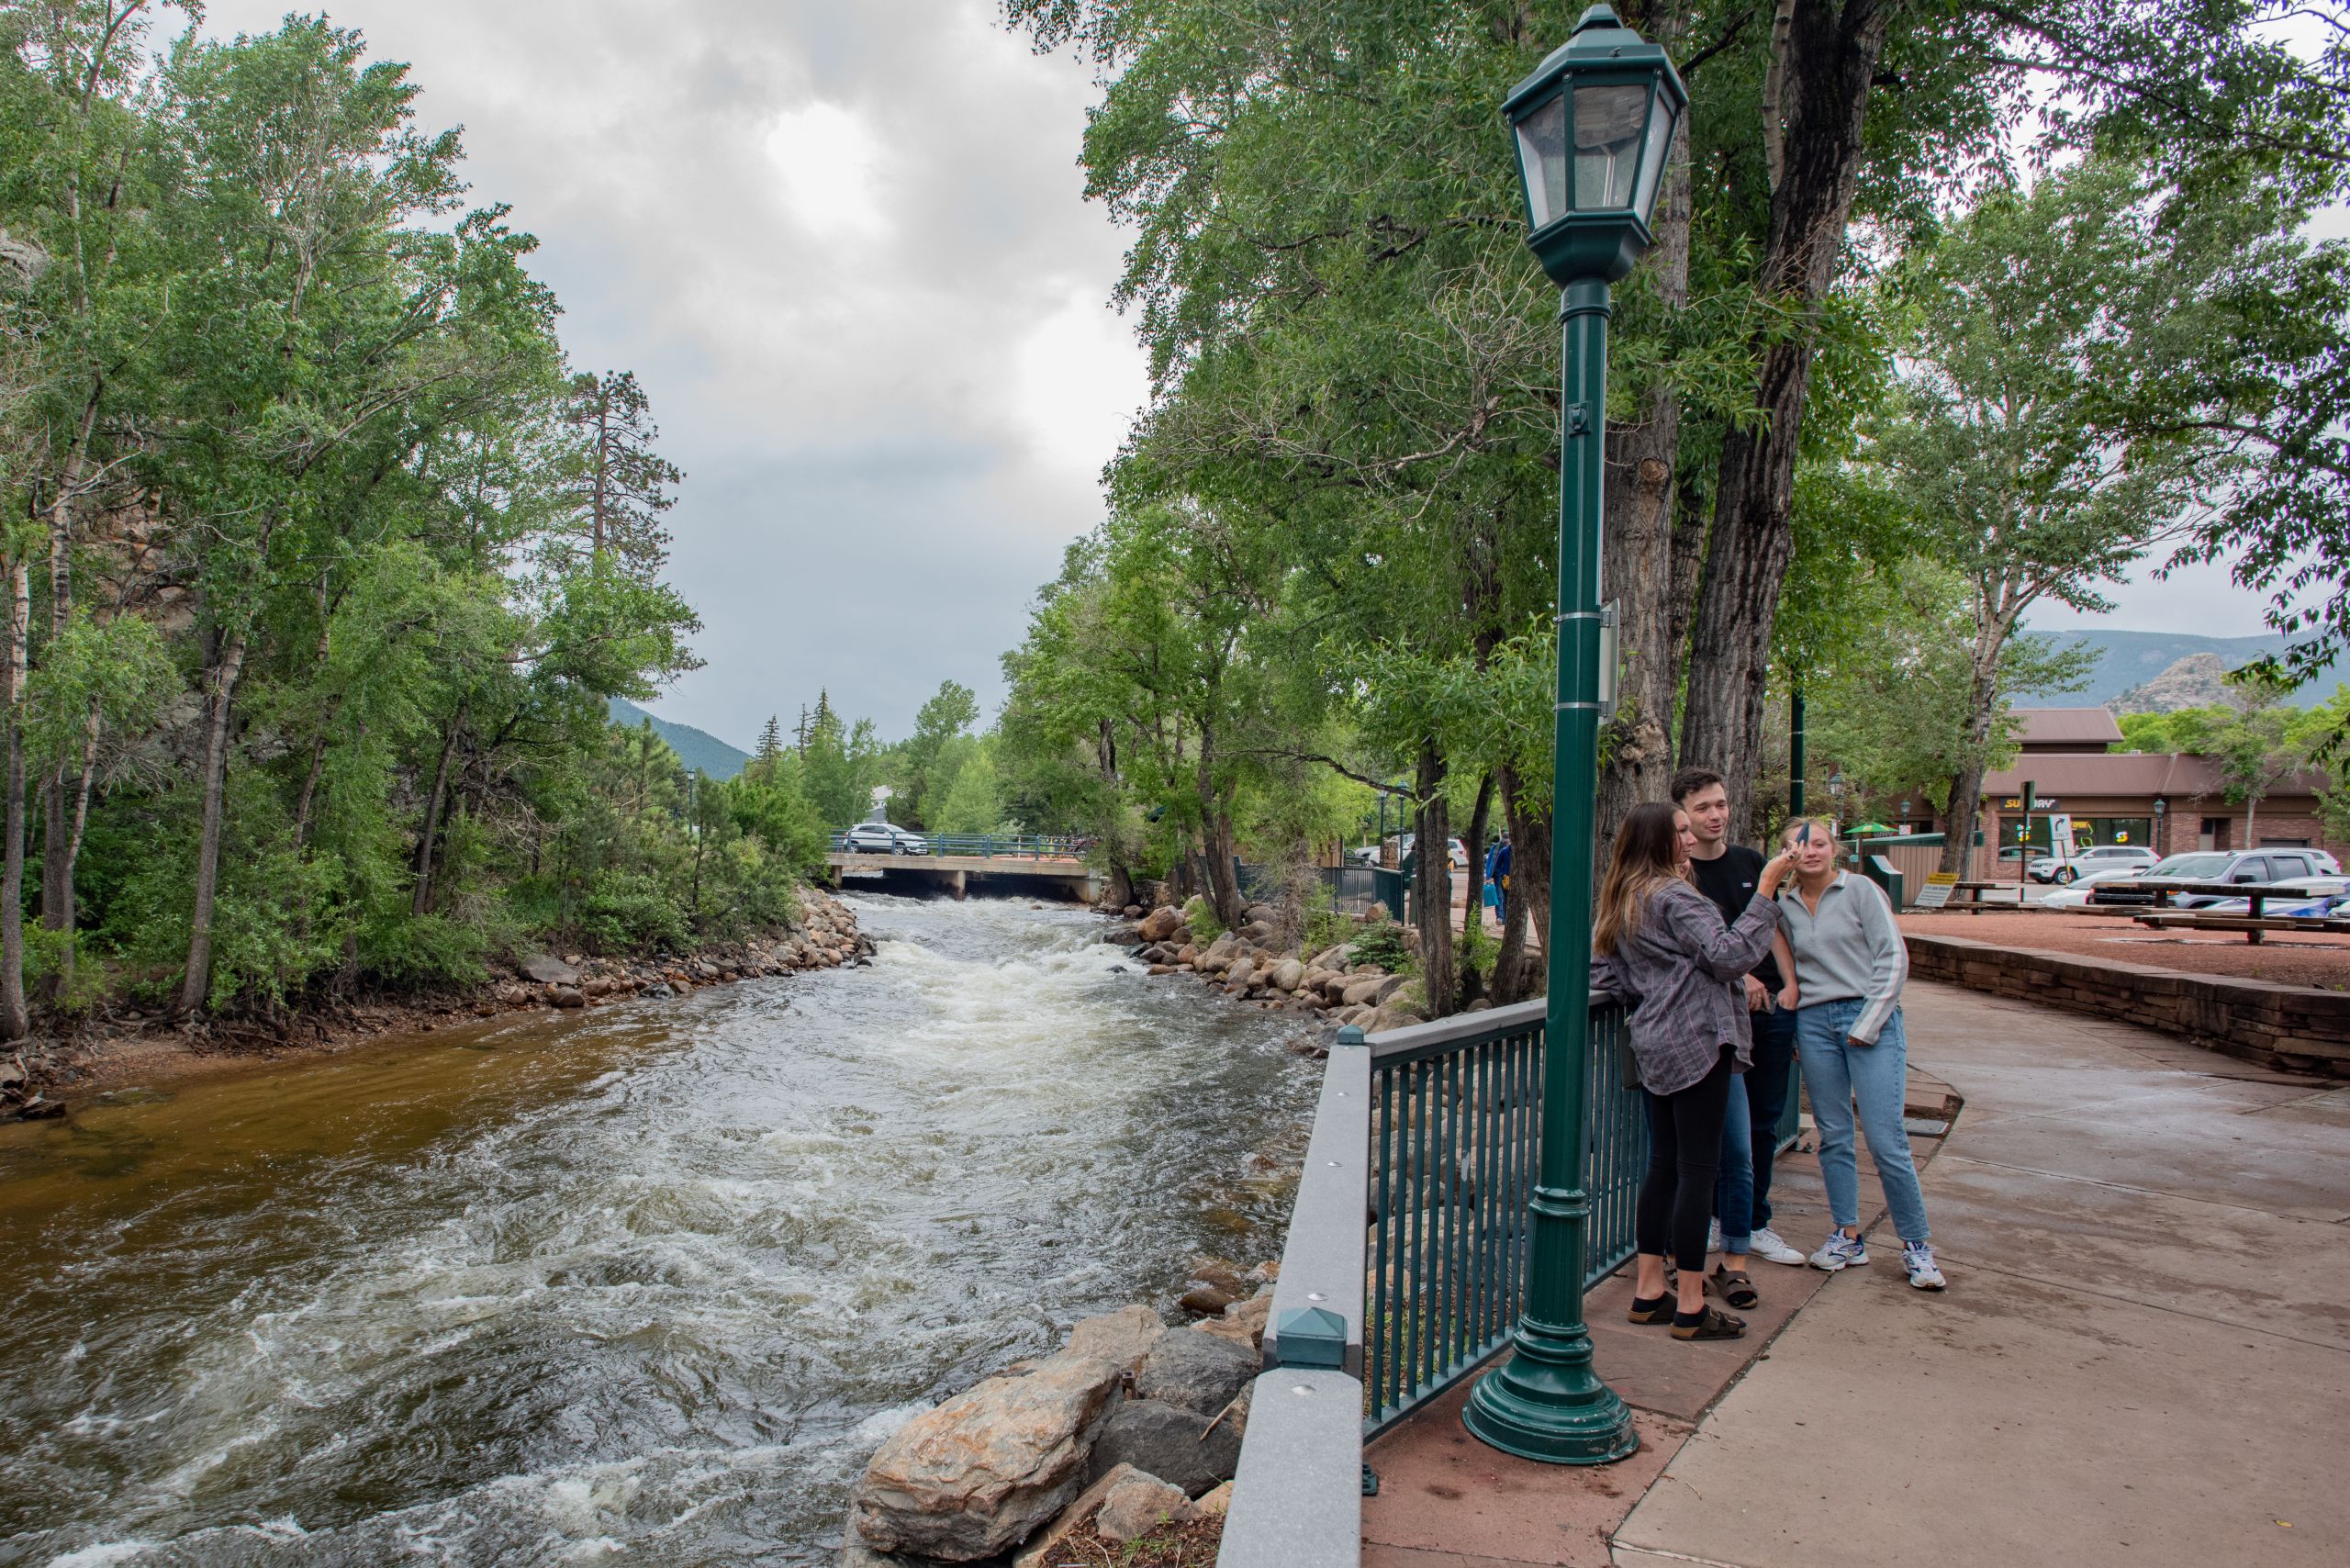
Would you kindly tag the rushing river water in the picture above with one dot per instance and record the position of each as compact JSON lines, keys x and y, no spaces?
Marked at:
{"x":646,"y":1285}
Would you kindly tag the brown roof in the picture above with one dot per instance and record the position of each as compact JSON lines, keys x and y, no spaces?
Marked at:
{"x":2180,"y":776}
{"x":2086,"y":728}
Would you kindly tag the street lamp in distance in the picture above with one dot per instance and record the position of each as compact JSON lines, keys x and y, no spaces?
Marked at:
{"x":1592,"y":127}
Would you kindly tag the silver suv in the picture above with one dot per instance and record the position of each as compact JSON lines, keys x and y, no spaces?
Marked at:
{"x":883,"y":838}
{"x":2246,"y":867}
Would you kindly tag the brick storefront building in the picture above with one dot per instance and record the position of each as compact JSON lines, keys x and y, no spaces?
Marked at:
{"x":2170,"y":802}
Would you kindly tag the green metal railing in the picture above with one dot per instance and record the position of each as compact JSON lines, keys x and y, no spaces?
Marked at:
{"x":1432,"y":1134}
{"x":1454,"y":1125}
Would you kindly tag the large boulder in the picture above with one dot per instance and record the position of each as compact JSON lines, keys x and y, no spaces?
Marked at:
{"x":548,"y":969}
{"x":1124,"y":1337}
{"x":1171,"y":1443}
{"x":982,"y":1470}
{"x":1364,"y":990}
{"x":1239,"y":975}
{"x":1195,"y":1372}
{"x":1160,"y":924}
{"x":1288,"y":975}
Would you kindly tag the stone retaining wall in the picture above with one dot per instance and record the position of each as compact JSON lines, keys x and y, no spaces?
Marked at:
{"x":2292,"y":1027}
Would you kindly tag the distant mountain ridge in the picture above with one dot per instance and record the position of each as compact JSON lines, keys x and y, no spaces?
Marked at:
{"x":695,"y":748}
{"x":2128,"y":660}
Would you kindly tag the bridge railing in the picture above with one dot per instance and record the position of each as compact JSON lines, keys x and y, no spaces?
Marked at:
{"x":990,"y":846}
{"x":1404,"y":1269}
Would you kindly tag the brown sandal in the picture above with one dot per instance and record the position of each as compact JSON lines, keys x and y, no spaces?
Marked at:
{"x":1657,"y":1311}
{"x":1733,"y":1286}
{"x":1715,"y":1325}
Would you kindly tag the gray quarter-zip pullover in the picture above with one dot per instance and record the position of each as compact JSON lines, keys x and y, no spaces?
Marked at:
{"x":1849,"y":950}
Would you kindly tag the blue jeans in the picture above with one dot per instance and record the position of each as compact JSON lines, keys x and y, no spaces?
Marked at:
{"x":1734,"y":1186}
{"x":1768,"y":1083}
{"x":1876,"y":1076}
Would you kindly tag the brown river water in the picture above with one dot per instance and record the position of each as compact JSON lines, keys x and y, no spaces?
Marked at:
{"x":646,"y":1285}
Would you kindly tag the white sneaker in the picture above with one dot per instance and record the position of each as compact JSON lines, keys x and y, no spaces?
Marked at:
{"x":1840,"y":1251}
{"x":1714,"y":1236}
{"x":1917,"y":1257}
{"x":1768,"y":1244}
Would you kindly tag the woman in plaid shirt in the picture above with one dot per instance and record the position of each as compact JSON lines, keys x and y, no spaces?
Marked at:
{"x":1661,"y":944}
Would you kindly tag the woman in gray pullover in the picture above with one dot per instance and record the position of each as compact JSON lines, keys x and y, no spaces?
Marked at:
{"x":1851,"y":964}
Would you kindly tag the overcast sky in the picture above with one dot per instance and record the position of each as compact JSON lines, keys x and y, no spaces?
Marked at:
{"x":845,"y":246}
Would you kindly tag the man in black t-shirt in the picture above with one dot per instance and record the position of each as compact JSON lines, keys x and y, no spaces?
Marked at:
{"x":1727,"y":873}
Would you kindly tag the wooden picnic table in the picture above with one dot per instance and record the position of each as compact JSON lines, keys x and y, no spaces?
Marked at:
{"x":1976,"y":898}
{"x":2254,"y":894}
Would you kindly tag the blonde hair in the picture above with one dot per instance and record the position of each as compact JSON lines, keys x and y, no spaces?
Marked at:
{"x":1648,"y":856}
{"x":1820,"y":826}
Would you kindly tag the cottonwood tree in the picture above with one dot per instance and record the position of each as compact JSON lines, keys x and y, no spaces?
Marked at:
{"x":2000,"y":445}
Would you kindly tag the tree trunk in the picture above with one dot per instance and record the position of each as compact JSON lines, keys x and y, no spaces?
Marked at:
{"x":1831,"y":60}
{"x":1515,"y":977}
{"x":16,"y":1020}
{"x":1223,"y":885}
{"x":221,"y":690}
{"x":57,"y":865}
{"x":1637,"y":545}
{"x":421,"y":902}
{"x":1472,"y":840}
{"x":1432,"y":885}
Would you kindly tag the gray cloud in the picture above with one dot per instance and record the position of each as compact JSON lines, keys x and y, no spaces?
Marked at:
{"x":845,"y":247}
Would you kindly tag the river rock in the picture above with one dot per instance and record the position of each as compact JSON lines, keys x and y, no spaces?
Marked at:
{"x":1204,"y":1299}
{"x":565,"y":996}
{"x":1239,"y":977}
{"x":1124,"y":1337}
{"x":1171,"y":1443}
{"x":547,"y":969}
{"x":1161,"y":924}
{"x":1195,"y":1372}
{"x":1288,"y":975}
{"x":1137,"y":1506}
{"x":1363,"y":992}
{"x":982,"y":1470}
{"x":1216,"y":1502}
{"x":1040,"y":1545}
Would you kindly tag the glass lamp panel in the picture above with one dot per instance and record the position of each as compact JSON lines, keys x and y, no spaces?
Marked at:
{"x":1609,"y":121}
{"x":1661,"y":126}
{"x":1542,"y":160}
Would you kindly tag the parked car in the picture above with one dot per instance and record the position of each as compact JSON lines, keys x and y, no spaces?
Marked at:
{"x":1364,"y":854}
{"x":1459,"y":855}
{"x":2076,"y":893}
{"x":2332,"y":897}
{"x":883,"y":838}
{"x":2248,"y":867}
{"x":2097,"y":858}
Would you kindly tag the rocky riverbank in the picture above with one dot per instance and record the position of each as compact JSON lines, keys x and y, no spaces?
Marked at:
{"x":45,"y":1077}
{"x":1124,"y":1439}
{"x":1362,"y":980}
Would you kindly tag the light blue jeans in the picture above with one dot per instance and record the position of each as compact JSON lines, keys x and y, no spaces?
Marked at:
{"x":1837,"y":1074}
{"x":1734,"y":1188}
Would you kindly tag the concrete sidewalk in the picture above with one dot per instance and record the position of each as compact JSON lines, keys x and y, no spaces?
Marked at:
{"x":2144,"y":1357}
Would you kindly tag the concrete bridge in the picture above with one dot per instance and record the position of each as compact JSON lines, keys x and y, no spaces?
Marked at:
{"x":1057,"y":878}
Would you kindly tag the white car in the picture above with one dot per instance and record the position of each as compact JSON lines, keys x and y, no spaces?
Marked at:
{"x":883,"y":838}
{"x":2097,"y":858}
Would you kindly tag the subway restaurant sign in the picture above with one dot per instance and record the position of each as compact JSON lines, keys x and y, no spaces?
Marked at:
{"x":2039,"y":803}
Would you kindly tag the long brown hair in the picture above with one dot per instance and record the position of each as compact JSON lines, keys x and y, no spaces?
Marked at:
{"x":1648,"y":856}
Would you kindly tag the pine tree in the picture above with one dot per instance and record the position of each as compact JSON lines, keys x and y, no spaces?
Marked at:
{"x":621,"y":486}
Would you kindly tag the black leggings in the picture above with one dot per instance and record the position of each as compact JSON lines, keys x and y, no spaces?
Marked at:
{"x":1676,"y":1204}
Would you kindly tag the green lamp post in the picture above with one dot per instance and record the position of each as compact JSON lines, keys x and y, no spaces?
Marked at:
{"x":1592,"y":127}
